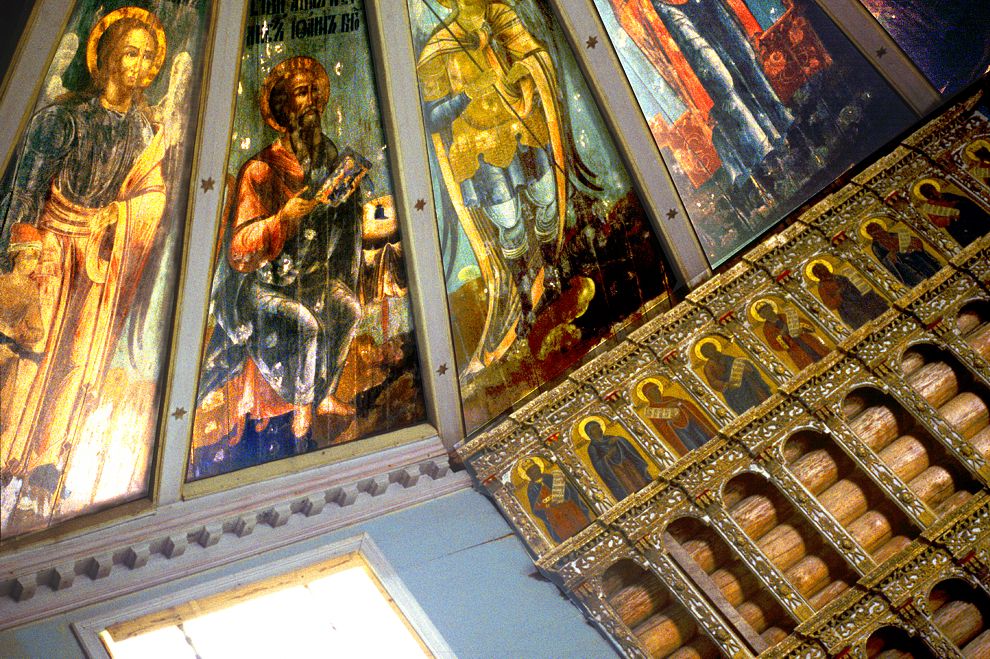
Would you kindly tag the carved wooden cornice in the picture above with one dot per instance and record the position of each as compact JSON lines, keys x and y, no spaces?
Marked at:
{"x":188,"y":537}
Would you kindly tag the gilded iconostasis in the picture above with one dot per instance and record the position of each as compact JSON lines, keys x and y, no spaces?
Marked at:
{"x":837,"y":381}
{"x":313,"y":338}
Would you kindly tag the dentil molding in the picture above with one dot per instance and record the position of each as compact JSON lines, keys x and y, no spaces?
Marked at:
{"x":188,"y":537}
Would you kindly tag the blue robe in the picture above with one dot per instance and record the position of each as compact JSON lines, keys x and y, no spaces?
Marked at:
{"x":619,"y":464}
{"x":748,"y":118}
{"x":751,"y":390}
{"x":80,"y":147}
{"x":910,"y":267}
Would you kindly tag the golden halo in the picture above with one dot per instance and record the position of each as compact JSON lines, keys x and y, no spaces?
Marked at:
{"x":523,"y":465}
{"x":867,"y":222}
{"x":760,"y":302}
{"x":970,"y":150}
{"x":702,"y":342}
{"x":147,"y":19}
{"x":812,"y":263}
{"x":916,"y":190}
{"x":582,"y":429}
{"x":283,"y":70}
{"x":638,"y":391}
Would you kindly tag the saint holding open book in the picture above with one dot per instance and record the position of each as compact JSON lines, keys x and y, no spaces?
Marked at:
{"x":285,"y":293}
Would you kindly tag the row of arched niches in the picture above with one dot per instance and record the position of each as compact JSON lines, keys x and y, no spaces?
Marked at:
{"x":793,"y":461}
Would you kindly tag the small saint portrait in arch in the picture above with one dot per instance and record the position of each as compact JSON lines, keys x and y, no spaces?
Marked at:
{"x":947,"y":207}
{"x":731,"y":373}
{"x":844,"y":291}
{"x":613,"y":455}
{"x":550,"y":498}
{"x":788,"y":332}
{"x":899,"y":250}
{"x":667,"y":409}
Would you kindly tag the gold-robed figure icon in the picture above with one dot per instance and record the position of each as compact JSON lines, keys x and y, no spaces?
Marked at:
{"x":494,"y":118}
{"x":88,"y":178}
{"x":681,"y":424}
{"x":788,"y":332}
{"x":551,"y":497}
{"x":618,"y":460}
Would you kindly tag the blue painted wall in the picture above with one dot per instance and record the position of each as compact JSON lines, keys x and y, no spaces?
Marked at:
{"x":457,"y":557}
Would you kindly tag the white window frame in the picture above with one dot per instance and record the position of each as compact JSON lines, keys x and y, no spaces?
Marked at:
{"x":88,"y":629}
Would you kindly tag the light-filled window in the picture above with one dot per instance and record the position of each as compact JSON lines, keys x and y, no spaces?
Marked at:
{"x":337,"y":608}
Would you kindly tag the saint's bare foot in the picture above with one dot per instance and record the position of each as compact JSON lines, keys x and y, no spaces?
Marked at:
{"x":301,"y":421}
{"x":335,"y":407}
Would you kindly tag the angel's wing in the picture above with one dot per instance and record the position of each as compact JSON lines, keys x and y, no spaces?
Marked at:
{"x":171,"y":110}
{"x":63,"y":57}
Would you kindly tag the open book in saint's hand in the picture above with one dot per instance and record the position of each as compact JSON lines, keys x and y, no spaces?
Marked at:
{"x":345,"y":178}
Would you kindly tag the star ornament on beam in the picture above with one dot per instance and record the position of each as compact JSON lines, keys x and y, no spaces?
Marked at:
{"x":207,"y":184}
{"x":672,"y":213}
{"x":179,"y":413}
{"x":592,"y":42}
{"x":420,"y":204}
{"x":881,"y":51}
{"x":443,"y":369}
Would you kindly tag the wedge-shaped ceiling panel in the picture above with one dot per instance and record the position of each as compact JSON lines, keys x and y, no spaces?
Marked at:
{"x":93,"y":218}
{"x":310,"y":341}
{"x":756,"y":105}
{"x":546,"y":246}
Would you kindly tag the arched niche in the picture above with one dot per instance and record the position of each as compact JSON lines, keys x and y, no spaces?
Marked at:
{"x":973,"y":323}
{"x":847,"y":493}
{"x":663,"y":626}
{"x":907,"y":448}
{"x":962,"y":613}
{"x":788,"y":540}
{"x":962,"y":400}
{"x":894,"y":643}
{"x":719,"y":571}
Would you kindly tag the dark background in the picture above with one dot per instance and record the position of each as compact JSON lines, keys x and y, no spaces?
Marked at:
{"x":13,"y":19}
